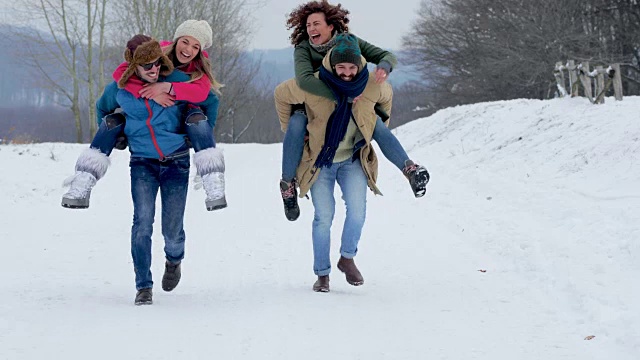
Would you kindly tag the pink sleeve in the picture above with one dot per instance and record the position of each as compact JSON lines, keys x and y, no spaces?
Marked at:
{"x":193,"y":92}
{"x":134,"y":84}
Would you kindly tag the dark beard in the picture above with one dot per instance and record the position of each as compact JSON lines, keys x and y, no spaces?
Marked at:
{"x":346,"y":78}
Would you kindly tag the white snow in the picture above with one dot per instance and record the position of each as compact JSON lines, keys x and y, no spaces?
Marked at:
{"x":525,"y":244}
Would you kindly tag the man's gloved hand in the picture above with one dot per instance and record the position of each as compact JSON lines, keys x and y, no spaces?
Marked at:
{"x":188,"y":141}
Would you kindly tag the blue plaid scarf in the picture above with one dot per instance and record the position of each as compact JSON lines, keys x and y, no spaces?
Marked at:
{"x":345,"y":92}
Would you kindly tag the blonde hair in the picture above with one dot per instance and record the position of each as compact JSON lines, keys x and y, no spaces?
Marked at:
{"x":202,"y":67}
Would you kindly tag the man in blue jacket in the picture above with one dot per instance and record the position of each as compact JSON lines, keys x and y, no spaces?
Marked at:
{"x":160,"y":160}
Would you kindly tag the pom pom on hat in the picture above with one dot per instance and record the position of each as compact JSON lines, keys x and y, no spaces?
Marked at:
{"x":199,"y":29}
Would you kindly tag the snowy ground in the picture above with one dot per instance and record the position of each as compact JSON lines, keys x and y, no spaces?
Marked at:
{"x":526,"y":244}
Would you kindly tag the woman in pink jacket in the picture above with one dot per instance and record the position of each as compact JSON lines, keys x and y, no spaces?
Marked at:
{"x":187,"y":54}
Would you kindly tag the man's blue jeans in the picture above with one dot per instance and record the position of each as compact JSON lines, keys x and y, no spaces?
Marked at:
{"x":172,"y":178}
{"x":353,"y":183}
{"x":293,"y":144}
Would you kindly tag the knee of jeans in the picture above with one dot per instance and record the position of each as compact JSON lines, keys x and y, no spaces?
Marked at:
{"x":357,"y":213}
{"x":297,"y":123}
{"x":323,"y":215}
{"x":141,"y":232}
{"x":195,"y":117}
{"x":114,"y":120}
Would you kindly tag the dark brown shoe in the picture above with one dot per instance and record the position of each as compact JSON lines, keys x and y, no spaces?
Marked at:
{"x":171,"y":277}
{"x":322,"y":284}
{"x":144,"y":297}
{"x":349,"y":268}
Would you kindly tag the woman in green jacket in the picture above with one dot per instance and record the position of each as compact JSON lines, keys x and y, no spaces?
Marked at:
{"x":315,"y":25}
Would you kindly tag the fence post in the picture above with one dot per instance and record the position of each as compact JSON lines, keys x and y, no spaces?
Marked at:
{"x":600,"y":84}
{"x":559,"y":75}
{"x":617,"y":82}
{"x":573,"y":77}
{"x":586,"y":80}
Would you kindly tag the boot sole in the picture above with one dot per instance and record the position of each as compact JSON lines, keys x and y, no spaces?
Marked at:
{"x":216,"y":207}
{"x":321,"y":290}
{"x":168,"y":288}
{"x":292,"y":218}
{"x":74,"y":206}
{"x":216,"y":204}
{"x":139,"y":303}
{"x":293,"y":215}
{"x":421,"y":185}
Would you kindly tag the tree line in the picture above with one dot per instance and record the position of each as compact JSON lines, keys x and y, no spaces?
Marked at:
{"x":74,"y":45}
{"x":83,"y":41}
{"x":485,"y":50}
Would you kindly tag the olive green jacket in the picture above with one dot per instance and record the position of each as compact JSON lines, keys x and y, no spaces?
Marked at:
{"x":308,"y":60}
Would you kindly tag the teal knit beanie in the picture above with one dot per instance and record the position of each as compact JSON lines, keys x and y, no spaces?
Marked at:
{"x":346,"y":50}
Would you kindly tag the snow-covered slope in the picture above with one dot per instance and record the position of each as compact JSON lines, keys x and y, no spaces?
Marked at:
{"x":526,"y":243}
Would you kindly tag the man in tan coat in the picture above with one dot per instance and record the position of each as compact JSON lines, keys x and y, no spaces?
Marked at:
{"x":338,"y":150}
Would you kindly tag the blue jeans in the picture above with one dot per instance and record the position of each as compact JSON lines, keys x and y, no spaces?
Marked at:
{"x":293,"y":145}
{"x":106,"y":137}
{"x":389,"y":145}
{"x":353,"y":183}
{"x":200,"y":133}
{"x":172,"y":178}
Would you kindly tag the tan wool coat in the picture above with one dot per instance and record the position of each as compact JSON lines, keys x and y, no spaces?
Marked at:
{"x":319,"y":109}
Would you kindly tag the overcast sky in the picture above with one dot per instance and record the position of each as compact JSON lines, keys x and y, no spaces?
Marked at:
{"x":382,"y":23}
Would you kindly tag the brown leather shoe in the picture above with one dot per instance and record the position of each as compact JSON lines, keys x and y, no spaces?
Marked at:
{"x":349,"y":268}
{"x":322,"y":284}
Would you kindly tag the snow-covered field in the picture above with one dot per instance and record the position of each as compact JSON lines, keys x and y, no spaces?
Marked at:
{"x":525,"y":244}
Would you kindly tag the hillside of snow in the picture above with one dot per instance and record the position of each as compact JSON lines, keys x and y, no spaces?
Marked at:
{"x":525,"y":246}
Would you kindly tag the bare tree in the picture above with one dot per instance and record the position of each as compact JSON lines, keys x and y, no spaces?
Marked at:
{"x":480,"y":50}
{"x":96,"y":14}
{"x":66,"y":44}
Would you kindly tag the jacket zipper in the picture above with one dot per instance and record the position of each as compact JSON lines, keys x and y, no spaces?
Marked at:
{"x":153,"y":134}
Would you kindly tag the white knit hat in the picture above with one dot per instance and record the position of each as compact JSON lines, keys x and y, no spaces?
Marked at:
{"x":199,"y":29}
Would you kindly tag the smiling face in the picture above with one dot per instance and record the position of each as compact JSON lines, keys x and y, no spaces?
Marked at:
{"x":317,"y":28}
{"x":346,"y":71}
{"x":186,"y":48}
{"x":151,"y":75}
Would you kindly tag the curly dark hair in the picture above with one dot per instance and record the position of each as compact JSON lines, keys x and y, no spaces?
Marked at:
{"x":334,"y":15}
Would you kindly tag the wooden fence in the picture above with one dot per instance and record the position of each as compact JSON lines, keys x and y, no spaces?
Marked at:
{"x":595,"y":83}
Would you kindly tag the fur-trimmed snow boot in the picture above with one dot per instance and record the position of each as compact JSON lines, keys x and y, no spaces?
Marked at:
{"x":90,"y":167}
{"x":210,"y":167}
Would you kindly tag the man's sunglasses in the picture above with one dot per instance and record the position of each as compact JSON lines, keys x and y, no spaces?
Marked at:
{"x":149,"y":66}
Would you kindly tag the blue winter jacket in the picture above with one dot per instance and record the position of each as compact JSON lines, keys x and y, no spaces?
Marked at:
{"x":153,"y":131}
